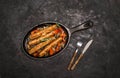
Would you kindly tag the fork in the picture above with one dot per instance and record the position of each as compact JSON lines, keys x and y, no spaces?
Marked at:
{"x":79,"y":44}
{"x":81,"y":55}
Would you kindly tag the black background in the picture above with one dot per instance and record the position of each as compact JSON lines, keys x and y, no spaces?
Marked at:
{"x":101,"y":60}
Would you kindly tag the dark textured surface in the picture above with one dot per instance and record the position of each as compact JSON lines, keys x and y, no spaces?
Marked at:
{"x":100,"y":61}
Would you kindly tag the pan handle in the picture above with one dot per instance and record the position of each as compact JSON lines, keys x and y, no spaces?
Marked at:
{"x":85,"y":25}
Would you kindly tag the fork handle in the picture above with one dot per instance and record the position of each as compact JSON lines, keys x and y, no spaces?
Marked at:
{"x":71,"y":61}
{"x":76,"y":62}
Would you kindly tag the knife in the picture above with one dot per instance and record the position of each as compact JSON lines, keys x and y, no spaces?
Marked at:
{"x":81,"y":55}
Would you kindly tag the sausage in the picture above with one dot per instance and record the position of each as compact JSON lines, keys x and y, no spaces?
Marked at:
{"x":35,"y":41}
{"x":43,"y":52}
{"x":43,"y":32}
{"x":40,"y":45}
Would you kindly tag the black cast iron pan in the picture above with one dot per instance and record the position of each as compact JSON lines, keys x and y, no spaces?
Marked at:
{"x":83,"y":26}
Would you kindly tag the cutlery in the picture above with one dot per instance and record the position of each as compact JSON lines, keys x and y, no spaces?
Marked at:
{"x":79,"y":44}
{"x":81,"y":55}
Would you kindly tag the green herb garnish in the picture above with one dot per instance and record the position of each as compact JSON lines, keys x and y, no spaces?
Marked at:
{"x":58,"y":25}
{"x":45,"y":39}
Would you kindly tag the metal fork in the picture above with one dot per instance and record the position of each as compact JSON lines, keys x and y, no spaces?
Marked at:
{"x":81,"y":55}
{"x":79,"y":44}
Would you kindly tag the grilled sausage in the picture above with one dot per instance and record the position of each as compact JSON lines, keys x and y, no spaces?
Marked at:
{"x":43,"y":52}
{"x":35,"y":41}
{"x":40,"y":45}
{"x":45,"y":31}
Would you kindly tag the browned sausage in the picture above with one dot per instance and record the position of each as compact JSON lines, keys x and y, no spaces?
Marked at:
{"x":40,"y":45}
{"x":35,"y":41}
{"x":43,"y":32}
{"x":47,"y":48}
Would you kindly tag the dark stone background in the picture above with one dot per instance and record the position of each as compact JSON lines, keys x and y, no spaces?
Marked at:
{"x":102,"y":58}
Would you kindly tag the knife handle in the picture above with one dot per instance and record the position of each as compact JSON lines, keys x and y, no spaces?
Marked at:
{"x":76,"y":62}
